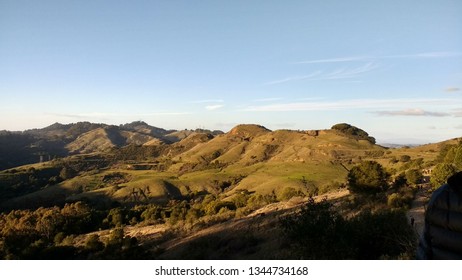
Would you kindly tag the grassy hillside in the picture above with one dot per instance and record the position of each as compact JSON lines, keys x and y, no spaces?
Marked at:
{"x":60,"y":140}
{"x":249,"y":157}
{"x":229,"y":188}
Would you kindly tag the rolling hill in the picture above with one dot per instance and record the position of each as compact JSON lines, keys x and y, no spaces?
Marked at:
{"x":61,"y":140}
{"x":175,"y":190}
{"x":248,"y":157}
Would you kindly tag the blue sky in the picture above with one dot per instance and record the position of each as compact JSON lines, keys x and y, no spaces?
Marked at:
{"x":392,"y":68}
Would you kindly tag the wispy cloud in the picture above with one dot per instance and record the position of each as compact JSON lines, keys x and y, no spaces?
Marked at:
{"x":335,"y":60}
{"x":355,"y":72}
{"x":295,"y":78}
{"x":370,"y":58}
{"x":458,"y":113}
{"x":452,"y":89}
{"x":347,"y":104}
{"x":208,"y":101}
{"x":412,"y":112}
{"x":214,"y":107}
{"x":428,"y":55}
{"x":268,"y":99}
{"x":340,"y":73}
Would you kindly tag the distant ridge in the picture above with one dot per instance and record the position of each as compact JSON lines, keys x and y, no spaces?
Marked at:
{"x":60,"y":140}
{"x":243,"y":144}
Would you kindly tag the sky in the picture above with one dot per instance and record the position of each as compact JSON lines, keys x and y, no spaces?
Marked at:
{"x":392,"y":68}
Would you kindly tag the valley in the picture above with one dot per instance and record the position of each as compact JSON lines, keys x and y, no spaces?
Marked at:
{"x":147,"y":192}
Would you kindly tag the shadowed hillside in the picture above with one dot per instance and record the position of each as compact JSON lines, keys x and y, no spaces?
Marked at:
{"x":60,"y":140}
{"x":144,"y":192}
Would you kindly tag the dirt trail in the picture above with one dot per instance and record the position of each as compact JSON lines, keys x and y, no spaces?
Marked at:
{"x":417,"y":210}
{"x":254,"y":219}
{"x":257,"y":218}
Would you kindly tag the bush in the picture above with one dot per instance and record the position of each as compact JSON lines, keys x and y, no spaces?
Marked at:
{"x":403,"y":199}
{"x":414,"y":176}
{"x":354,"y":132}
{"x":115,"y":217}
{"x":404,"y":158}
{"x":289,"y":192}
{"x":441,"y":173}
{"x":93,"y":244}
{"x":368,"y":177}
{"x":320,"y":232}
{"x":152,"y":214}
{"x":259,"y":200}
{"x":241,"y":199}
{"x":216,"y":206}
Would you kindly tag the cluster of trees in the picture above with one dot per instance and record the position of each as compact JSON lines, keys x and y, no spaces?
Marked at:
{"x":353,"y":132}
{"x":49,"y":233}
{"x":449,"y":162}
{"x":136,"y":153}
{"x":21,"y":181}
{"x":14,"y":183}
{"x":26,"y":233}
{"x":371,"y":178}
{"x":320,"y":231}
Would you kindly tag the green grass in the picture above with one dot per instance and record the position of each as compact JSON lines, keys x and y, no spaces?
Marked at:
{"x":268,"y":162}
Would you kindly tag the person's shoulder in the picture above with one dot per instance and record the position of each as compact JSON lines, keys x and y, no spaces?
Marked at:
{"x":439,"y":197}
{"x":440,"y":191}
{"x":455,"y":182}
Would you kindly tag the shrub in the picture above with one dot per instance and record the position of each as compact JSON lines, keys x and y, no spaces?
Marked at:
{"x":320,"y":232}
{"x":93,"y":244}
{"x":368,"y":177}
{"x":216,"y":206}
{"x":289,"y":192}
{"x":403,"y":199}
{"x":414,"y":176}
{"x":404,"y":158}
{"x":354,"y":132}
{"x":152,"y":214}
{"x":115,"y":217}
{"x":241,"y":199}
{"x":441,"y":173}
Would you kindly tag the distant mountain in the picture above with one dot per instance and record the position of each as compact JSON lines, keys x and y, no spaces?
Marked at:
{"x":68,"y":132}
{"x":397,"y":146}
{"x":60,"y":140}
{"x":245,"y":144}
{"x":248,"y":157}
{"x":144,"y":128}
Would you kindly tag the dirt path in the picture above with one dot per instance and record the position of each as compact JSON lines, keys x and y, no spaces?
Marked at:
{"x":417,"y":210}
{"x":255,"y":219}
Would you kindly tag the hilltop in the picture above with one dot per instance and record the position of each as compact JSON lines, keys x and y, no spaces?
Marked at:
{"x":162,"y":164}
{"x":154,"y":165}
{"x":177,"y":189}
{"x":61,"y":140}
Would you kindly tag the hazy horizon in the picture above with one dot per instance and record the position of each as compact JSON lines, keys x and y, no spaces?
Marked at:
{"x":391,"y":68}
